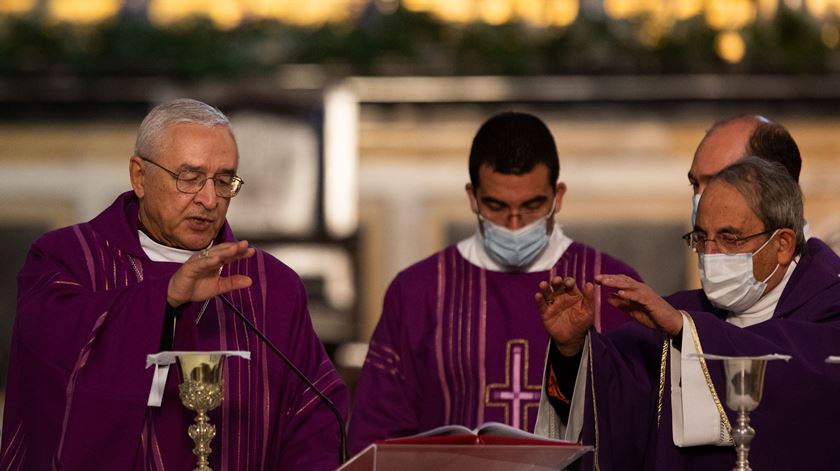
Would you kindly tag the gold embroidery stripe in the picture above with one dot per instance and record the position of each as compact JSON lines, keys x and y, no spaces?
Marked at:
{"x":662,"y":367}
{"x":723,"y":417}
{"x":594,"y":405}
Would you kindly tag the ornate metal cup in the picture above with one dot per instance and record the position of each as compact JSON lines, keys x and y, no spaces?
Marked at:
{"x":201,"y":390}
{"x":744,"y":387}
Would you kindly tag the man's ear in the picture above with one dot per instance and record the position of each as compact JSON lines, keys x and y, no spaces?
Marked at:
{"x":471,"y":197}
{"x":787,"y":247}
{"x":559,"y":192}
{"x":137,"y":173}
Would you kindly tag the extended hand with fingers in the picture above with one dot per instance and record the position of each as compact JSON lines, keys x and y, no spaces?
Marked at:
{"x":199,"y":278}
{"x":642,"y":303}
{"x":567,"y":314}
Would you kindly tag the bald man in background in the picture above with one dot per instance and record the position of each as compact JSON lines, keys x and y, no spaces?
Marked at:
{"x":740,"y":136}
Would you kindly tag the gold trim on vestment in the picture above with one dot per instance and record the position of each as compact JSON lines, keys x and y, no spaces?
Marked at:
{"x":662,"y":367}
{"x":724,"y":419}
{"x":594,"y":406}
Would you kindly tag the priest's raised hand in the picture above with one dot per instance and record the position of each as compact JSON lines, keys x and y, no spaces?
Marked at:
{"x":642,"y":303}
{"x":200,"y":277}
{"x":567,"y":314}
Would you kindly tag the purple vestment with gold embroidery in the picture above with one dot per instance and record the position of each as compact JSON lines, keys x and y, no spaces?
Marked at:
{"x":91,"y":307}
{"x":458,"y":344}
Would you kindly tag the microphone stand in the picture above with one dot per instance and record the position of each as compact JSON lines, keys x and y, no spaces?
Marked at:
{"x":342,"y":452}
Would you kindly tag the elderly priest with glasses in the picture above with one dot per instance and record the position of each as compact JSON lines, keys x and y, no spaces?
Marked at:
{"x":640,"y":397}
{"x":147,"y":274}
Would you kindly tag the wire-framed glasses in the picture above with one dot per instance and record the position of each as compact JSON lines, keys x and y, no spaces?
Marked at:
{"x":727,"y":243}
{"x":192,"y":181}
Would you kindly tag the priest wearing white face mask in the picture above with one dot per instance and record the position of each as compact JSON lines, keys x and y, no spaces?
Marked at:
{"x":765,"y":290}
{"x":460,"y":340}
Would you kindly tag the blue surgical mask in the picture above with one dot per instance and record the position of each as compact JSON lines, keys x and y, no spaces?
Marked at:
{"x":515,"y":248}
{"x":695,"y":202}
{"x":728,"y":279}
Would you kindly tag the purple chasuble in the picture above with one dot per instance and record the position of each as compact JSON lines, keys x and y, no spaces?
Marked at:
{"x":91,"y":307}
{"x":796,"y":421}
{"x":458,"y":344}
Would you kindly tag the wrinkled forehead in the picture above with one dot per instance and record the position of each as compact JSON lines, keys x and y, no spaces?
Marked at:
{"x":199,"y":147}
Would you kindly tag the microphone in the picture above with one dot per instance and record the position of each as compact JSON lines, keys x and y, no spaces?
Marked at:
{"x":342,"y":452}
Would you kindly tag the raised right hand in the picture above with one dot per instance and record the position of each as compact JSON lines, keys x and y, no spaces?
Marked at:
{"x":199,"y":277}
{"x":567,"y":314}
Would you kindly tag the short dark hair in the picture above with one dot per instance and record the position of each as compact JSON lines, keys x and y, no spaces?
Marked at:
{"x":771,"y":141}
{"x":771,"y":193}
{"x":514,"y":143}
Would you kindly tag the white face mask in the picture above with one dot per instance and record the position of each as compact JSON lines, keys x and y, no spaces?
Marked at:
{"x":695,"y":202}
{"x":517,"y":248}
{"x":728,"y":279}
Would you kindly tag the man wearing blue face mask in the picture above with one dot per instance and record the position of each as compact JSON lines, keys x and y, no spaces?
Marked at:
{"x":765,"y":290}
{"x":460,"y":340}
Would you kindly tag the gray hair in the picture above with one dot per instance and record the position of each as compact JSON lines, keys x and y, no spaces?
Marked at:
{"x":771,"y":193}
{"x":180,"y":111}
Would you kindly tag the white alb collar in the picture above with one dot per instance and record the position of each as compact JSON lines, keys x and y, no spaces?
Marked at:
{"x":163,"y":253}
{"x":472,"y":249}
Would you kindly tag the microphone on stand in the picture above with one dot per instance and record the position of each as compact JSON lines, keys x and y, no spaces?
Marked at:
{"x":342,"y":452}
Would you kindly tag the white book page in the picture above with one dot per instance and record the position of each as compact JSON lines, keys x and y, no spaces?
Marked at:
{"x":444,"y":430}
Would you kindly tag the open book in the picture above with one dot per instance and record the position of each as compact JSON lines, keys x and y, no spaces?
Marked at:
{"x":490,"y":433}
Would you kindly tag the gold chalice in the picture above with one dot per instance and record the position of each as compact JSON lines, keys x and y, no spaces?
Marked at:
{"x":201,"y":390}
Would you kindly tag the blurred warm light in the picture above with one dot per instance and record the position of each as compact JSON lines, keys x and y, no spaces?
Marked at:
{"x":767,"y":8}
{"x":88,"y":11}
{"x":830,"y":36}
{"x":817,"y":7}
{"x":459,"y":11}
{"x":561,"y":12}
{"x":224,"y":13}
{"x":267,"y":8}
{"x":548,"y":12}
{"x":419,"y":5}
{"x":684,"y":9}
{"x":619,"y":9}
{"x":313,"y":13}
{"x":16,"y":6}
{"x":730,"y":47}
{"x":531,"y":11}
{"x":229,"y":13}
{"x":730,"y":15}
{"x":821,"y":8}
{"x":658,"y":17}
{"x":495,"y":12}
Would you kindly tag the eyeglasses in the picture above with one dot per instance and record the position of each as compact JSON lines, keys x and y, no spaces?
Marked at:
{"x":727,"y":243}
{"x":192,"y":181}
